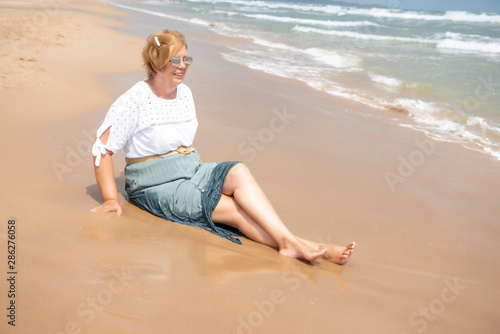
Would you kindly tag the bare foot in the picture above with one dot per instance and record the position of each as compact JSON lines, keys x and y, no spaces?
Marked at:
{"x":297,"y":249}
{"x":338,"y":254}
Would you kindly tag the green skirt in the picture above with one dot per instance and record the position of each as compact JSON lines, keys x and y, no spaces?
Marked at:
{"x":182,"y":189}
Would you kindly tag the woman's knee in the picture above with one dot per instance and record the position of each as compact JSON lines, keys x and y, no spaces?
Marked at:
{"x":240,"y":168}
{"x":239,"y":172}
{"x":238,"y":177}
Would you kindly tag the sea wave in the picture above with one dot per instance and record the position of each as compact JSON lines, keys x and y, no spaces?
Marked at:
{"x":324,"y":56}
{"x":469,"y":43}
{"x":469,"y":46}
{"x":388,"y":81}
{"x":286,"y":19}
{"x":327,"y":23}
{"x":253,"y":60}
{"x":450,"y":41}
{"x":454,"y":41}
{"x":173,"y":17}
{"x":357,"y":35}
{"x":461,"y":16}
{"x":453,"y":125}
{"x":400,"y":14}
{"x":334,"y":59}
{"x":263,"y":4}
{"x":377,"y":13}
{"x":444,"y":124}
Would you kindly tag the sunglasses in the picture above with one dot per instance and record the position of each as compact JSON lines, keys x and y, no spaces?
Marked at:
{"x":176,"y":61}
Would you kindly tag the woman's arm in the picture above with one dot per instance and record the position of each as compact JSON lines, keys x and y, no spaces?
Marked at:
{"x":105,"y":178}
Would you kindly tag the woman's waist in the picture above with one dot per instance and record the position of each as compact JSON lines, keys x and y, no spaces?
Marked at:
{"x":179,"y":150}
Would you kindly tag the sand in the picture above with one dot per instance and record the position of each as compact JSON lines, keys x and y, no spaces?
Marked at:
{"x":424,"y":213}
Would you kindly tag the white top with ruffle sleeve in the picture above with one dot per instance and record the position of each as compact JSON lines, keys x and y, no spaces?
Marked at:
{"x":142,"y":124}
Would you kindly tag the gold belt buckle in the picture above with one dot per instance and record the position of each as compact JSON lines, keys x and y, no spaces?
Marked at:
{"x":187,"y":150}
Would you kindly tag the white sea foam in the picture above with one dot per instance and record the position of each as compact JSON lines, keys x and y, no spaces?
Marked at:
{"x":327,"y":23}
{"x":254,"y":60}
{"x":394,"y":13}
{"x":388,"y":81}
{"x":377,"y":13}
{"x":471,"y":131}
{"x":223,"y":12}
{"x":150,"y":12}
{"x":328,"y":57}
{"x":469,"y":43}
{"x":455,"y":41}
{"x":400,"y":14}
{"x":412,"y":15}
{"x":471,"y":17}
{"x":202,"y":22}
{"x":453,"y":125}
{"x":332,"y":58}
{"x":267,"y":5}
{"x":482,"y":125}
{"x":173,"y":17}
{"x":461,"y":37}
{"x":270,"y":44}
{"x":469,"y":46}
{"x":357,"y":35}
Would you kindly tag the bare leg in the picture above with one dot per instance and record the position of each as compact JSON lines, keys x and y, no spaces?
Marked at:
{"x":229,"y":212}
{"x":245,"y":206}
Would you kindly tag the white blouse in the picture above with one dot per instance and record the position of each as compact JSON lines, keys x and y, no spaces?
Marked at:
{"x":142,"y":124}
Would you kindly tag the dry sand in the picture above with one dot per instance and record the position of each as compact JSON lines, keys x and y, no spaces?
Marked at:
{"x":427,"y":257}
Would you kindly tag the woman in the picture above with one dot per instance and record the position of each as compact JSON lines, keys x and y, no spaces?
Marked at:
{"x":154,"y":124}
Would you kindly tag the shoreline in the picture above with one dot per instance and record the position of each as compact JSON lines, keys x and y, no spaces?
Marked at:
{"x":322,"y":164}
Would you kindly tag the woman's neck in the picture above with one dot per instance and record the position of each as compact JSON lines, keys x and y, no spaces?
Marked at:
{"x":161,"y":88}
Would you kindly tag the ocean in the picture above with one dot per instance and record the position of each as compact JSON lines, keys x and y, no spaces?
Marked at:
{"x":442,"y":69}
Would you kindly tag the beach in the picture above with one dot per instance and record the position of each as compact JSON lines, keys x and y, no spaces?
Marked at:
{"x":424,"y":213}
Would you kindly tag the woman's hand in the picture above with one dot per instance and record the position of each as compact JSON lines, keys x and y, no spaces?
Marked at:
{"x":111,"y":205}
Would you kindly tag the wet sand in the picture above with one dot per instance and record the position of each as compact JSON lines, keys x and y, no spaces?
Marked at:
{"x":424,"y":213}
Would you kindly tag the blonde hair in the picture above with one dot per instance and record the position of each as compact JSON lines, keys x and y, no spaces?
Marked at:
{"x":156,"y":57}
